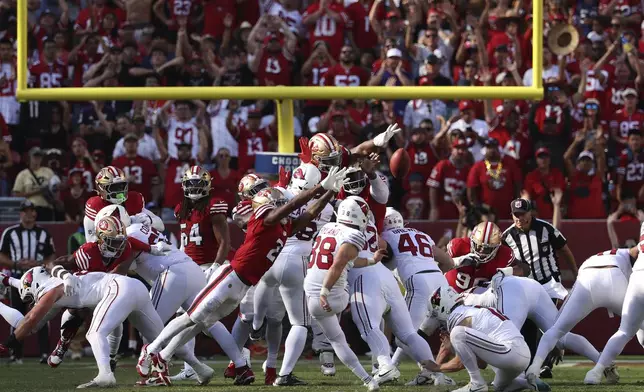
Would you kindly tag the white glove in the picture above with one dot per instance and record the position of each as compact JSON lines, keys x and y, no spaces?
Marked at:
{"x":141,"y":218}
{"x":71,"y":285}
{"x":382,"y":139}
{"x":211,"y":270}
{"x":334,"y":179}
{"x":161,"y":248}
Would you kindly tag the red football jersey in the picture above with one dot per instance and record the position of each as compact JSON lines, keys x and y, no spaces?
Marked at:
{"x":423,"y":159}
{"x":340,"y":76}
{"x":261,"y":246}
{"x":585,"y":197}
{"x":621,"y":122}
{"x":274,"y":69}
{"x":43,"y":75}
{"x":92,"y":16}
{"x":615,"y":96}
{"x":88,"y":258}
{"x":197,"y":236}
{"x":467,"y":276}
{"x":316,"y":78}
{"x":596,"y":85}
{"x":215,"y":11}
{"x":363,"y":34}
{"x":141,"y":172}
{"x":88,"y":174}
{"x":328,"y":29}
{"x":251,"y":143}
{"x":448,"y":180}
{"x":182,"y":9}
{"x":173,"y":194}
{"x":225,"y":188}
{"x":548,"y":110}
{"x":496,"y":191}
{"x":539,"y":187}
{"x":133,"y":205}
{"x":632,"y":169}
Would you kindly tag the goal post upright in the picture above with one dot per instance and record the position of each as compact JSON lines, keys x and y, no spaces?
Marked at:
{"x":283,"y":95}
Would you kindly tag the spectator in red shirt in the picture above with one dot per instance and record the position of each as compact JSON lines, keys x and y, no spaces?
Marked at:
{"x":141,"y":172}
{"x":345,"y":72}
{"x":75,"y":196}
{"x":447,"y":182}
{"x":513,"y":141}
{"x":627,"y":118}
{"x":326,"y":21}
{"x":174,"y":170}
{"x":585,"y":180}
{"x":272,"y":60}
{"x":90,"y":19}
{"x":630,"y":171}
{"x":225,"y":179}
{"x":494,"y":181}
{"x":83,"y":56}
{"x":414,"y":203}
{"x":251,"y":137}
{"x":541,"y":183}
{"x":422,"y":150}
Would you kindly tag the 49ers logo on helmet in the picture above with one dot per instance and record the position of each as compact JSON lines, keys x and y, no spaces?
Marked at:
{"x":103,"y":225}
{"x":240,"y":187}
{"x":299,"y":174}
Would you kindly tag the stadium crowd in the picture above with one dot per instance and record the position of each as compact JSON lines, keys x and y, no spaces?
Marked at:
{"x":577,"y":154}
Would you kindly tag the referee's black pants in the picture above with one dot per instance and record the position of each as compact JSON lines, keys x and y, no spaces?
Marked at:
{"x":43,"y":333}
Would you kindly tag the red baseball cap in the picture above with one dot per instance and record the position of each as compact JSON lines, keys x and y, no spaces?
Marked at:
{"x":465,"y":105}
{"x":542,"y":151}
{"x":459,"y":143}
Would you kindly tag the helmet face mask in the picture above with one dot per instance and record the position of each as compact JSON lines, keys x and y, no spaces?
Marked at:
{"x":357,"y":181}
{"x":269,"y":196}
{"x":326,"y":163}
{"x":485,"y":241}
{"x":250,"y":185}
{"x":326,"y":152}
{"x":111,"y":237}
{"x":443,"y":301}
{"x":196,"y":183}
{"x":112,"y":185}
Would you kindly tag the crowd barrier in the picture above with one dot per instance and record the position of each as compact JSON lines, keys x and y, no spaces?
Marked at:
{"x":585,"y":238}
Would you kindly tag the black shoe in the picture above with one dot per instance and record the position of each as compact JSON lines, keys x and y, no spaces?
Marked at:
{"x":258,"y":334}
{"x":113,"y":362}
{"x":546,"y":372}
{"x":288,"y":380}
{"x":43,"y":359}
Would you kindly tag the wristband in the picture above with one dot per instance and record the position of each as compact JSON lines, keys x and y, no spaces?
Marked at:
{"x":324,"y":292}
{"x":371,"y":261}
{"x":506,"y":270}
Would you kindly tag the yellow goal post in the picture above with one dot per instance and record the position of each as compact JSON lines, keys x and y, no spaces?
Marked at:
{"x":283,"y":95}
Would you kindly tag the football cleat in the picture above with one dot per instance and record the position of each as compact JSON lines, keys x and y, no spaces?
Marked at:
{"x":187,"y":374}
{"x":245,"y":376}
{"x":611,"y":374}
{"x":150,"y":382}
{"x":258,"y":334}
{"x":532,"y":381}
{"x":113,"y":363}
{"x":387,"y":374}
{"x":56,"y":357}
{"x":230,"y":371}
{"x":372,"y":385}
{"x":546,"y":372}
{"x":441,"y":379}
{"x":288,"y":380}
{"x":593,"y":377}
{"x":101,"y":381}
{"x":472,"y":388}
{"x":159,"y":368}
{"x":143,"y":364}
{"x":327,"y":365}
{"x":270,"y":375}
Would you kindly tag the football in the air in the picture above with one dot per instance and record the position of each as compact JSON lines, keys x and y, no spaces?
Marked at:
{"x":400,"y":163}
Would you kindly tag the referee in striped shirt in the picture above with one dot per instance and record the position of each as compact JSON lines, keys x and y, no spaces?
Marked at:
{"x":23,"y":246}
{"x":540,"y":245}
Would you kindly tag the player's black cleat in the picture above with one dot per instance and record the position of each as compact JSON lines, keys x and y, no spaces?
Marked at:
{"x":288,"y":380}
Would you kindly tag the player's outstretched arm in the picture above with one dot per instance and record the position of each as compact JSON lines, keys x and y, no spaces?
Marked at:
{"x":332,"y":184}
{"x":42,"y":307}
{"x":312,"y":212}
{"x":380,"y":141}
{"x":445,"y":262}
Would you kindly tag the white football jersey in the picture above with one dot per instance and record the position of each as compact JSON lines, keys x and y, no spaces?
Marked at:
{"x":487,"y":320}
{"x":302,"y":241}
{"x":371,"y":233}
{"x":182,"y":132}
{"x":147,"y":265}
{"x":412,"y":251}
{"x":93,"y":287}
{"x":325,"y":248}
{"x":292,"y":18}
{"x":620,"y":258}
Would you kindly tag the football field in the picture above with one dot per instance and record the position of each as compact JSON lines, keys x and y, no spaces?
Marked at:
{"x":32,"y":376}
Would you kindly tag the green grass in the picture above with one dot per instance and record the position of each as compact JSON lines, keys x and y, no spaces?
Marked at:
{"x":32,"y":376}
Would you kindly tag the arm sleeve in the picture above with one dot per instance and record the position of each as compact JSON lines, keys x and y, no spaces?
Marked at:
{"x":379,"y":190}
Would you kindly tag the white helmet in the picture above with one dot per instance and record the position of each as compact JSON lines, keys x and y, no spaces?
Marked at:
{"x":304,"y":177}
{"x":443,"y":301}
{"x":354,"y":211}
{"x":393,"y":220}
{"x":31,"y":282}
{"x":115,"y":210}
{"x":356,"y":181}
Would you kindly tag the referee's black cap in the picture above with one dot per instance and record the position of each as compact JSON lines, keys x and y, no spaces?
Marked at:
{"x":26,"y":204}
{"x":520,"y":206}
